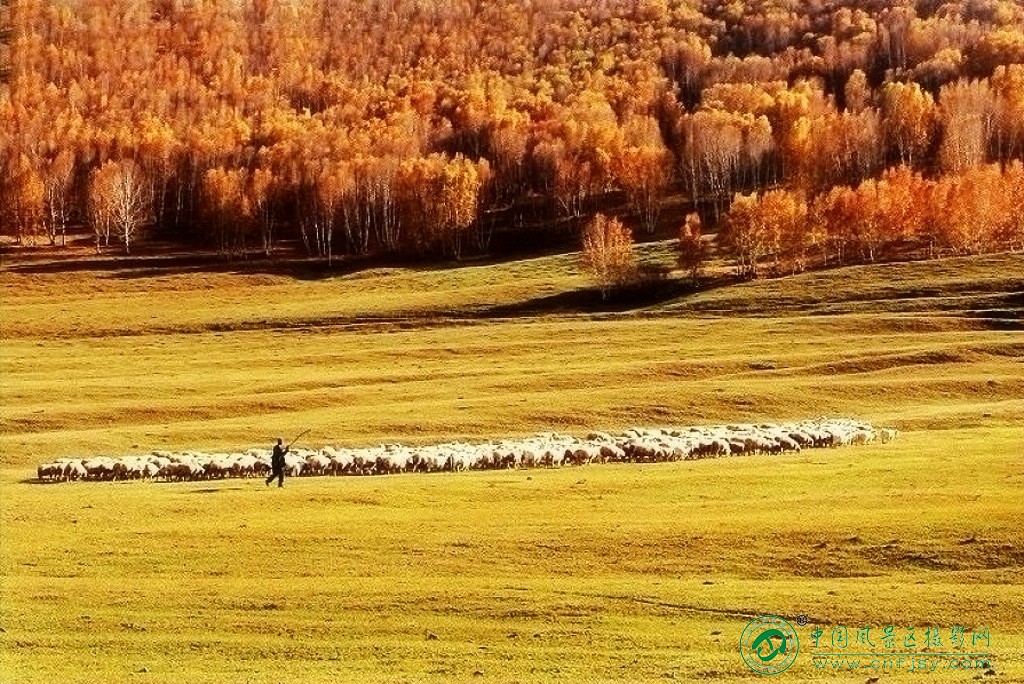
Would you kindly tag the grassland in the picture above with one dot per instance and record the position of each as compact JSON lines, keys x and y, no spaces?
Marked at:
{"x":609,"y":573}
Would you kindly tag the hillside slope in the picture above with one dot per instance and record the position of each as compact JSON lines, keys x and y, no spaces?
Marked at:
{"x":112,"y":362}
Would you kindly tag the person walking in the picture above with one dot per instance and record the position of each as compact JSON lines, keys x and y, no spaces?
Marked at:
{"x":277,"y":464}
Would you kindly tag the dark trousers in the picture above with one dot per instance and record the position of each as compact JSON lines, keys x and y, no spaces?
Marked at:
{"x":279,"y":474}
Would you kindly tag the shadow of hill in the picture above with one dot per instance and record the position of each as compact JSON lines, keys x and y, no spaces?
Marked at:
{"x":297,"y":267}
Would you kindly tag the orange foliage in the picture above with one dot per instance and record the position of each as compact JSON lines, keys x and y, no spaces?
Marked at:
{"x":772,"y":225}
{"x":692,"y":249}
{"x":246,"y":122}
{"x":970,"y":212}
{"x":22,"y":196}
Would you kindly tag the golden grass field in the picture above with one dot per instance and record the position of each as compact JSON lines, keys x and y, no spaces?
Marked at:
{"x":602,"y":573}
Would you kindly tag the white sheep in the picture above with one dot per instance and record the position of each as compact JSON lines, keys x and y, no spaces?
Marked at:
{"x":550,"y":449}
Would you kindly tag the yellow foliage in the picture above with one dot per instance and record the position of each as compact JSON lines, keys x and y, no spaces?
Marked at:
{"x":608,"y":252}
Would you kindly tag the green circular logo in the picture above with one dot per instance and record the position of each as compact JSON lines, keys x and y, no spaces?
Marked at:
{"x":769,"y":645}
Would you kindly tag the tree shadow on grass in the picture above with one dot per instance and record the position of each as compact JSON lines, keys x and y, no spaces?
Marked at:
{"x":591,"y":300}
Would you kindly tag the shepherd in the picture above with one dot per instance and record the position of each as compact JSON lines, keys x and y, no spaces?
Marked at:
{"x":277,"y":460}
{"x":277,"y":463}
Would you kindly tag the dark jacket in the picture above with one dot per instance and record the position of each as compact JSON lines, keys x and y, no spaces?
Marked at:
{"x":277,"y":460}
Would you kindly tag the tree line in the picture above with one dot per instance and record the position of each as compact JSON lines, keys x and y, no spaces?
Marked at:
{"x":819,"y":131}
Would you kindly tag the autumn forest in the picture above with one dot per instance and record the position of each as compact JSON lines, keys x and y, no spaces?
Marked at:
{"x":802,"y":132}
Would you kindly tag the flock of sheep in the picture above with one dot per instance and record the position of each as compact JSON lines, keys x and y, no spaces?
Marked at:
{"x":638,"y":445}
